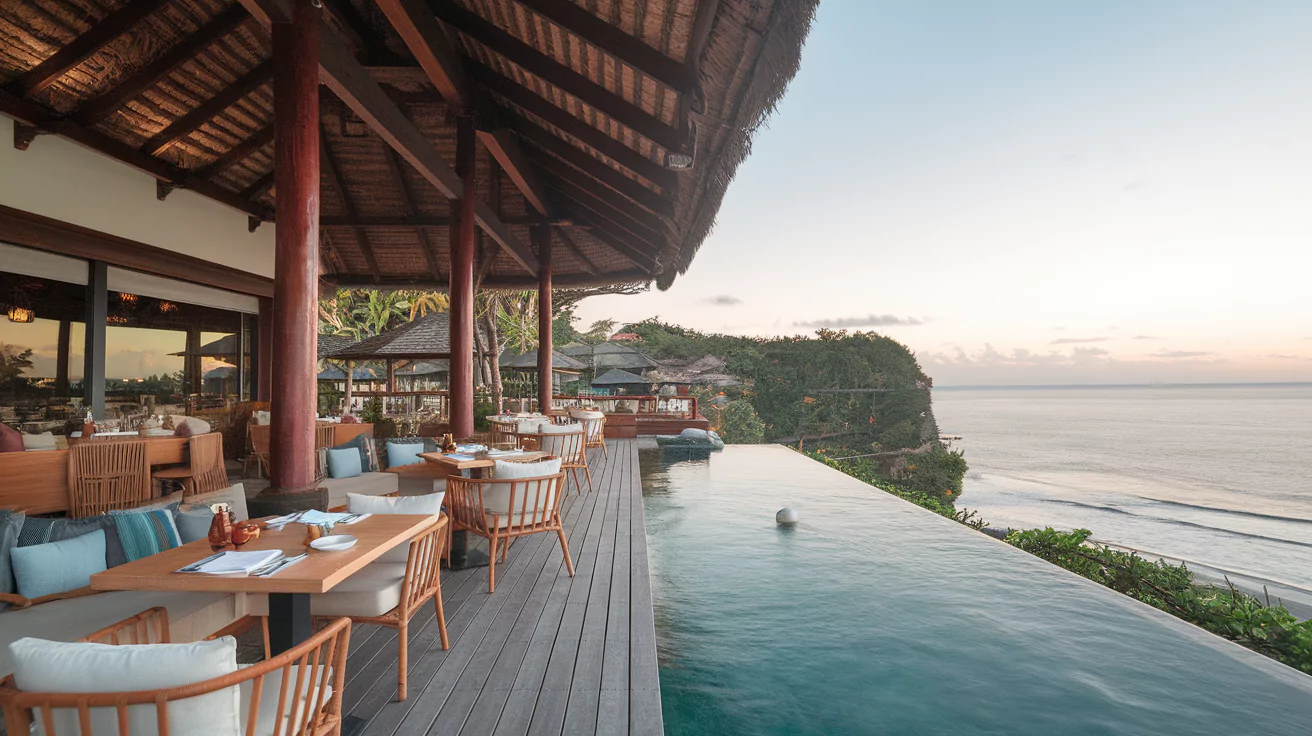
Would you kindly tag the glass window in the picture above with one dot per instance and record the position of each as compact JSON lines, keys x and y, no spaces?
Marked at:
{"x":41,"y":338}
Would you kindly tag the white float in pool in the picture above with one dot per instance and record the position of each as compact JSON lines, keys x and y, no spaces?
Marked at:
{"x":786,"y":515}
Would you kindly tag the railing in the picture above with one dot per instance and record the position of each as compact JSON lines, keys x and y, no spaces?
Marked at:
{"x":684,"y":407}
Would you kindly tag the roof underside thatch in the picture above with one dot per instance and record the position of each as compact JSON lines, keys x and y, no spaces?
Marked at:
{"x":585,"y":113}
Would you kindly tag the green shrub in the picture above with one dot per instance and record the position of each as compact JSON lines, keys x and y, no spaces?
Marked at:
{"x":372,"y":411}
{"x":937,"y":473}
{"x":739,"y":424}
{"x":483,"y":410}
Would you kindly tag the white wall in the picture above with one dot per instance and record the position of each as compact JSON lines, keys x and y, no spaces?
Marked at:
{"x":64,"y":181}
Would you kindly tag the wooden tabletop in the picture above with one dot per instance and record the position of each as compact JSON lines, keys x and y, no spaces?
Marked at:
{"x":318,"y":573}
{"x":474,"y":463}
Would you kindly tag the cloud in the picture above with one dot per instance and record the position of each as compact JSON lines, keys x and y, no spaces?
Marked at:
{"x":1181,"y":354}
{"x":1146,"y":337}
{"x":1279,"y":356}
{"x":721,"y":300}
{"x":1133,"y":185}
{"x":1076,"y":340}
{"x":870,"y":320}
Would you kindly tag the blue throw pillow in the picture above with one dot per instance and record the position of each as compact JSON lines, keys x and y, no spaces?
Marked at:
{"x":58,"y":567}
{"x":364,"y":446}
{"x":40,"y":530}
{"x":404,"y":453}
{"x":343,"y":462}
{"x":146,"y":533}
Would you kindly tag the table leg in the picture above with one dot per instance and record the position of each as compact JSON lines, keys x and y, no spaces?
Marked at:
{"x":461,"y":555}
{"x":289,"y":621}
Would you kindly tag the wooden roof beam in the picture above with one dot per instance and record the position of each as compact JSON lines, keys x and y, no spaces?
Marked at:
{"x":613,"y":41}
{"x":553,"y":72}
{"x":205,"y":111}
{"x":38,"y":117}
{"x":517,"y":283}
{"x":574,"y":248}
{"x":262,"y":138}
{"x":567,"y":176}
{"x":620,"y":245}
{"x":589,"y":136}
{"x":335,"y":177}
{"x":424,"y":36}
{"x":83,"y":47}
{"x":543,"y":139}
{"x":505,"y":148}
{"x":258,"y":187}
{"x":97,"y":108}
{"x":408,"y":209}
{"x":415,"y":221}
{"x":601,"y":209}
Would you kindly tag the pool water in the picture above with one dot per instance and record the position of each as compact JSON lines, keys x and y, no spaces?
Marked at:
{"x":873,"y":616}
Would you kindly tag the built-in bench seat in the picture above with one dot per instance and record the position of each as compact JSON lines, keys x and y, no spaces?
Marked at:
{"x":192,"y":616}
{"x":377,"y":483}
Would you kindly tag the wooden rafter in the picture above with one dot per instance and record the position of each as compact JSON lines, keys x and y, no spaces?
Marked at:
{"x":542,"y":108}
{"x":83,"y":47}
{"x":620,"y":245}
{"x":258,"y":187}
{"x":202,"y":113}
{"x":414,"y":222}
{"x":408,"y":209}
{"x":569,"y":177}
{"x":335,"y":177}
{"x":612,"y":40}
{"x":424,"y":36}
{"x":517,"y":283}
{"x":600,"y":208}
{"x":505,"y":148}
{"x":94,"y":110}
{"x":553,"y":72}
{"x":574,"y":248}
{"x":589,"y":165}
{"x":262,"y":138}
{"x":39,"y":117}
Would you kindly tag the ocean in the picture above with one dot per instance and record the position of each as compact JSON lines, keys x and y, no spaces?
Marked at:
{"x":1219,"y":477}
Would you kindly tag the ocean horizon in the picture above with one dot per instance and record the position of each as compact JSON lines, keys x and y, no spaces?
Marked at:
{"x":1214,"y":475}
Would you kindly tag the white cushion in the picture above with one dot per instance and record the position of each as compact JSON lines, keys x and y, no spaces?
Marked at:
{"x":429,"y":504}
{"x":561,"y":429}
{"x":373,"y":591}
{"x":375,"y":483}
{"x":59,"y":667}
{"x":234,"y":495}
{"x":43,"y":441}
{"x":198,"y":426}
{"x":529,"y":426}
{"x":586,"y":414}
{"x":271,"y":689}
{"x":261,"y":417}
{"x":503,"y":469}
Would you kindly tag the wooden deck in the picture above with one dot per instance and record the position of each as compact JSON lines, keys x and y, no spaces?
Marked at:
{"x":546,"y":653}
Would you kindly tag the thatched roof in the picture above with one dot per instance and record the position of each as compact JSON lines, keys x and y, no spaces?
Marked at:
{"x":426,"y":337}
{"x":224,"y":347}
{"x":617,"y":377}
{"x":591,"y":108}
{"x":330,"y":343}
{"x":364,"y":373}
{"x":425,"y":368}
{"x":529,"y":361}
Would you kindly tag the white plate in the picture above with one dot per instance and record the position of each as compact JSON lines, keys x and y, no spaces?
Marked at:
{"x":334,"y":543}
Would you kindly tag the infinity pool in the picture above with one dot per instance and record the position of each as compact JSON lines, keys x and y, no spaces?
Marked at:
{"x":873,"y":616}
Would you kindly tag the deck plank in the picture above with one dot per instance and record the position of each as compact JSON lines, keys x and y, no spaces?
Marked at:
{"x":546,"y":654}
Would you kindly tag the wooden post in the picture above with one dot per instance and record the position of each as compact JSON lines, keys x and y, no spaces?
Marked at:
{"x":296,"y":259}
{"x":350,"y":383}
{"x":542,"y":236}
{"x":191,"y":364}
{"x":61,"y":352}
{"x":93,"y":351}
{"x":462,"y":285}
{"x":264,"y":350}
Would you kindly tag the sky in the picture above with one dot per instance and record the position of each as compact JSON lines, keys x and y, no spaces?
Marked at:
{"x":1030,"y":193}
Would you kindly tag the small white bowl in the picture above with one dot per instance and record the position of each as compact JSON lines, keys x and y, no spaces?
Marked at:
{"x":334,"y":543}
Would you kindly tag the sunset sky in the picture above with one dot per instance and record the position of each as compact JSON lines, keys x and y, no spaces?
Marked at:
{"x":1030,"y":193}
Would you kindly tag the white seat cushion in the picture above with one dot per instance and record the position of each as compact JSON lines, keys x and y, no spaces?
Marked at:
{"x":427,"y":504}
{"x":373,"y":591}
{"x":503,"y":469}
{"x":496,"y":495}
{"x":37,"y":442}
{"x":270,"y":690}
{"x":62,"y":667}
{"x":366,"y":484}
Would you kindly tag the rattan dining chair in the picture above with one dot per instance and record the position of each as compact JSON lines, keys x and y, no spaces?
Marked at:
{"x":569,"y":446}
{"x":204,"y":471}
{"x":594,"y":428}
{"x":502,"y":431}
{"x":316,"y":669}
{"x":257,"y":446}
{"x":105,"y":476}
{"x":500,"y":510}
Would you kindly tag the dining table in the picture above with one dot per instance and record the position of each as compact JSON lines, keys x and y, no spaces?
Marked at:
{"x":289,"y":589}
{"x":457,"y":463}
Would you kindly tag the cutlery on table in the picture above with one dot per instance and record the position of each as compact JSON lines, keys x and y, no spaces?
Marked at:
{"x":198,"y":564}
{"x":280,"y":564}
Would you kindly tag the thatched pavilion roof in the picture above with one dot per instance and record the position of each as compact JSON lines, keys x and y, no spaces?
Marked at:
{"x":617,"y":125}
{"x":529,"y":361}
{"x":617,"y":377}
{"x":426,"y":337}
{"x":330,"y":343}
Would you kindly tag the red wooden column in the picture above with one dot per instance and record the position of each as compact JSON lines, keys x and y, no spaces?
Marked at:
{"x":264,"y":350}
{"x":542,"y":236}
{"x":462,"y":285}
{"x":296,"y":262}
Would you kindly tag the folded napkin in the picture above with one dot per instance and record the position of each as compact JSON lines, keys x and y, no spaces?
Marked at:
{"x":238,"y":562}
{"x":459,"y":456}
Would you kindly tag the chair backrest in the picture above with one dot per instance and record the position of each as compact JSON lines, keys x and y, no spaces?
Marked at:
{"x":323,"y":435}
{"x":594,"y":426}
{"x":522,"y":504}
{"x":568,"y":445}
{"x":423,"y":570}
{"x":502,"y":432}
{"x":259,"y":434}
{"x":104,"y":476}
{"x":314,"y":669}
{"x":151,"y":626}
{"x":209,"y":472}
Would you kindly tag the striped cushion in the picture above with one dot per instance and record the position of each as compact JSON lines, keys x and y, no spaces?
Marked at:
{"x":145,"y":533}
